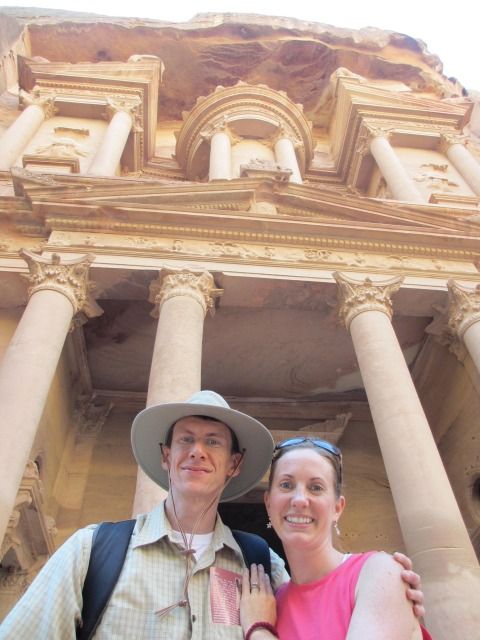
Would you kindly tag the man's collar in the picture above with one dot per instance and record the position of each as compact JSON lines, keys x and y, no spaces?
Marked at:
{"x":153,"y":526}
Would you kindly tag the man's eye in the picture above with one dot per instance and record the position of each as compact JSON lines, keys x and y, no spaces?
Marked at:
{"x":186,"y":440}
{"x":213,"y":442}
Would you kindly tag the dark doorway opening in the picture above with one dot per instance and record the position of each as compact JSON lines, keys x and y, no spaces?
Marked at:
{"x":252,"y":517}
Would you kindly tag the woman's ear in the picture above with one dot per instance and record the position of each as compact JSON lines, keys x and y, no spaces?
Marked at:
{"x":339,"y":506}
{"x":266,"y":500}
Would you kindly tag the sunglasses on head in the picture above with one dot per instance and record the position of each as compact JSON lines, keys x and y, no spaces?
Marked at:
{"x":321,"y":444}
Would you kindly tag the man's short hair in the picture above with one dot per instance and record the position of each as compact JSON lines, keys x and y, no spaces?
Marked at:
{"x":235,"y":448}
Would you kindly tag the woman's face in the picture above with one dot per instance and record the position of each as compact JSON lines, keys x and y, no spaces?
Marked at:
{"x":301,"y":501}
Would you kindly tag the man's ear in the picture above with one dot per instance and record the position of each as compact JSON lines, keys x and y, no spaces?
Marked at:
{"x":237,"y":460}
{"x":165,"y":458}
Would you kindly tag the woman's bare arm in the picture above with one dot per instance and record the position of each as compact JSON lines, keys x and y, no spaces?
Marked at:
{"x":381,"y":607}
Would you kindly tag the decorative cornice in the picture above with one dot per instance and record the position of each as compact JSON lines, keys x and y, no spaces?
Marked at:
{"x":197,"y":285}
{"x":70,"y":278}
{"x":356,"y":296}
{"x":463,"y":307}
{"x":239,"y":235}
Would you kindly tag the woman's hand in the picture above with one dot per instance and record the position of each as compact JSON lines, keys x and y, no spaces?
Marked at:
{"x":257,"y":603}
{"x":414,"y":591}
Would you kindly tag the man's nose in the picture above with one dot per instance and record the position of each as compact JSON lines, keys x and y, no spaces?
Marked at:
{"x":197,"y":449}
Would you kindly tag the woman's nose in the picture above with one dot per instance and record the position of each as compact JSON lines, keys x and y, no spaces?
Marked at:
{"x":300,"y":496}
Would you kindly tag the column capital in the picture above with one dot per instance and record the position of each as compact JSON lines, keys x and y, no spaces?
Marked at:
{"x":219,"y":126}
{"x":197,"y":285}
{"x":368,"y":132}
{"x":449,"y":138}
{"x":47,"y":103}
{"x":132,"y":107}
{"x":463,"y":307}
{"x":357,"y":296}
{"x":68,"y":276}
{"x":283,"y":133}
{"x":90,"y":415}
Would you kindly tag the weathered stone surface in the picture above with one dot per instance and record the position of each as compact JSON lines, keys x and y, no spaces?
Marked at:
{"x":220,"y":49}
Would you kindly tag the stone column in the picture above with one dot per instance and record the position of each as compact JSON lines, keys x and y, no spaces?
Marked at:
{"x":285,"y":155}
{"x":20,"y":132}
{"x":220,"y":138}
{"x":107,"y":158}
{"x":461,"y":158}
{"x":57,"y":291}
{"x":464,"y":317}
{"x":182,"y":299}
{"x":433,"y":530}
{"x":395,"y":174}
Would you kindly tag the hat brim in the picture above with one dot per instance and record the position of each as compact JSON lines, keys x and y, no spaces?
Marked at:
{"x":151,"y":425}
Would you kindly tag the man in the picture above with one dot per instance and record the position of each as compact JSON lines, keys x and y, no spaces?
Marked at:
{"x":178,"y":578}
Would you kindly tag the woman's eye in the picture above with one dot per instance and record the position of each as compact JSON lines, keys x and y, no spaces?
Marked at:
{"x":316,"y":488}
{"x":285,"y":484}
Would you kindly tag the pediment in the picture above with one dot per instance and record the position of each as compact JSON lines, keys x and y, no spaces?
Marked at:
{"x":241,"y":204}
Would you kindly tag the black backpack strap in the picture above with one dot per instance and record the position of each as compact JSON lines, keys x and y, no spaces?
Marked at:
{"x":254,"y":548}
{"x":109,"y":546}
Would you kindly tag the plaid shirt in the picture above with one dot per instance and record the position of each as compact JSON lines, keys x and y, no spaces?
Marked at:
{"x":151,"y":578}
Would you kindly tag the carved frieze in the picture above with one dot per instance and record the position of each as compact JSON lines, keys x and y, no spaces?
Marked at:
{"x":197,"y":285}
{"x":355,"y":296}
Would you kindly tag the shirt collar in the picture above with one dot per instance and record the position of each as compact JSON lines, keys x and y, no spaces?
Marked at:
{"x":153,"y":526}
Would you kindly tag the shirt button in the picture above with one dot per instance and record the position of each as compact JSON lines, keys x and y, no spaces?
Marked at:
{"x":194,"y":617}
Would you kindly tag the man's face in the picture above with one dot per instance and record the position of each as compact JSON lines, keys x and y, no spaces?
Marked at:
{"x":200,"y":457}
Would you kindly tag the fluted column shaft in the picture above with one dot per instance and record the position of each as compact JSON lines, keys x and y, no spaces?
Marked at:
{"x":287,"y":158}
{"x":433,"y":530}
{"x":464,"y":162}
{"x":396,"y":177}
{"x":183,"y":299}
{"x":464,"y":317}
{"x":57,"y":292}
{"x":107,"y":158}
{"x":20,"y":132}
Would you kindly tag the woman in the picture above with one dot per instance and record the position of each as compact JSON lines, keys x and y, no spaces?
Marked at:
{"x":331,"y":595}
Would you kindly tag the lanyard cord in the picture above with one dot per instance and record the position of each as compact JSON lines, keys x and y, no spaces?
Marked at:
{"x":187,"y":551}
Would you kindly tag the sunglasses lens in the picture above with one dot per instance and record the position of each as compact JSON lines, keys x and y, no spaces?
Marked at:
{"x":322,"y":444}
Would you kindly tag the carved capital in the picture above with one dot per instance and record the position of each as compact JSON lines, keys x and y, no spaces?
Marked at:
{"x":69,"y":277}
{"x":463,"y":307}
{"x":30,"y":531}
{"x":355,"y":296}
{"x":283,"y":133}
{"x":199,"y":286}
{"x":90,"y":415}
{"x":47,"y":103}
{"x":219,"y":126}
{"x":449,"y":138}
{"x":374,"y":130}
{"x":131,"y":107}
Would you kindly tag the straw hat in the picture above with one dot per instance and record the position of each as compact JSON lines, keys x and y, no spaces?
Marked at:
{"x":151,"y":425}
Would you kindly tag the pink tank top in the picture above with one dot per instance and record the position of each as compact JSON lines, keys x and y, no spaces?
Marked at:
{"x":320,"y":610}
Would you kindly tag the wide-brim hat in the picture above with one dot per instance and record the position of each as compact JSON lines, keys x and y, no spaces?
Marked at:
{"x":150,"y":428}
